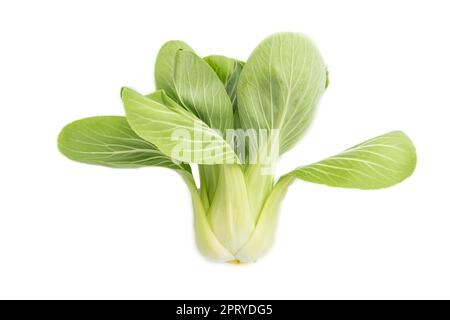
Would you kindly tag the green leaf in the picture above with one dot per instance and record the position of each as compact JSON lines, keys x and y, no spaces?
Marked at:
{"x":222,"y":66}
{"x":200,"y":90}
{"x":165,"y":66}
{"x":376,"y":163}
{"x":280,"y":86}
{"x":174,"y":130}
{"x":110,"y":141}
{"x":228,"y":70}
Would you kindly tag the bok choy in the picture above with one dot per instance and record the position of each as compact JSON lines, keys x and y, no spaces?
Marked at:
{"x":234,"y":119}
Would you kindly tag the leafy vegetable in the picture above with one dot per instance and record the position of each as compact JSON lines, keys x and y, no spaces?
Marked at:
{"x":208,"y":112}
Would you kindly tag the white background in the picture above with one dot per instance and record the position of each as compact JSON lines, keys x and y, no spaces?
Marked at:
{"x":69,"y":230}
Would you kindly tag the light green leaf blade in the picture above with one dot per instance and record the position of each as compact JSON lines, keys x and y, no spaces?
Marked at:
{"x":376,"y":163}
{"x":165,"y":66}
{"x":110,"y":141}
{"x":200,"y":90}
{"x":280,"y":86}
{"x":174,"y":130}
{"x":228,"y":70}
{"x":222,"y":66}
